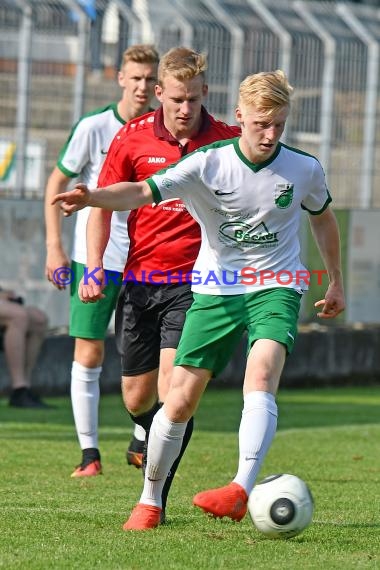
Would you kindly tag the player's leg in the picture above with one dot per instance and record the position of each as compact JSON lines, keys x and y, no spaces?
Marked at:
{"x":149,"y":322}
{"x":272,"y":324}
{"x":140,"y":399}
{"x":165,"y":442}
{"x":137,"y":339}
{"x":257,"y":429}
{"x":85,"y":395}
{"x":259,"y":417}
{"x":176,"y":302}
{"x":271,"y":339}
{"x":88,"y":325}
{"x":197,"y":357}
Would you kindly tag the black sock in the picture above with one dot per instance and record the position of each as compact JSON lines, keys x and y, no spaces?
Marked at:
{"x":145,"y":420}
{"x":90,"y":454}
{"x":136,"y":445}
{"x":169,"y":480}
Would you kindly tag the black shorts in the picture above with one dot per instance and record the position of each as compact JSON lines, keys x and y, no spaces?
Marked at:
{"x":149,"y":318}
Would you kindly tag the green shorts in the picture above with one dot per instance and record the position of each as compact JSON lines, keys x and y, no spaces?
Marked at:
{"x":215,"y":324}
{"x":91,"y":320}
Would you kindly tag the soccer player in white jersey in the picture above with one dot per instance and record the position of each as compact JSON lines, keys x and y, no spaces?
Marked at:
{"x":247,"y":195}
{"x":83,"y":155}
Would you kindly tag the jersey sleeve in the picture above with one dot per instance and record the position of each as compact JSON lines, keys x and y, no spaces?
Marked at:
{"x":180,"y":180}
{"x":318,"y":197}
{"x":75,"y":153}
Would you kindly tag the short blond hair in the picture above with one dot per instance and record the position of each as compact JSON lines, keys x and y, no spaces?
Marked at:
{"x":266,"y":91}
{"x":140,"y":53}
{"x":182,"y":63}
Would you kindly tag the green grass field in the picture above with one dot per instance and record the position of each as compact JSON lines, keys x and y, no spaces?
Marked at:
{"x":330,"y":438}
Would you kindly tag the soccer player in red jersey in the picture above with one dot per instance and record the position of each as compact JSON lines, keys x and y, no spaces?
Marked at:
{"x":164,"y":240}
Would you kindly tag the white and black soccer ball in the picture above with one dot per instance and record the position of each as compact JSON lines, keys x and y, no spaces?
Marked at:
{"x":281,"y":506}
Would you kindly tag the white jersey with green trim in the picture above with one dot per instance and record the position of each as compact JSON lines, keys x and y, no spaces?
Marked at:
{"x":249,"y":214}
{"x":82,"y":156}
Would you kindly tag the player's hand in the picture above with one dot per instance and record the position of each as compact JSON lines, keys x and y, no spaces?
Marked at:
{"x":91,"y":286}
{"x":74,"y":200}
{"x":57,"y":268}
{"x":333,"y":303}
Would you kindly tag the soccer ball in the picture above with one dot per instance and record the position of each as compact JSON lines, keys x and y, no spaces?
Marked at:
{"x":281,"y":506}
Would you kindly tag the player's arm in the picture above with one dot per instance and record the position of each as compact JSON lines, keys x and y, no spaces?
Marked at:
{"x":326,"y":234}
{"x":120,"y":196}
{"x":97,"y":236}
{"x":55,"y":254}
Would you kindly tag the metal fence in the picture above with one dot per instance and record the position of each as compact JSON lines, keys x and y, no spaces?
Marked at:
{"x":58,"y":58}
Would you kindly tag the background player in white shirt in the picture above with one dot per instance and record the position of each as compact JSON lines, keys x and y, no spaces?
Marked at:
{"x":83,"y":155}
{"x":247,"y":195}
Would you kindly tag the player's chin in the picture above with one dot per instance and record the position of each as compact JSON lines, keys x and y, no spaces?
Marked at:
{"x":184,"y":125}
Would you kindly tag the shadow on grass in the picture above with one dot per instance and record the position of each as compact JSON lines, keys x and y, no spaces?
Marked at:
{"x":219,"y":411}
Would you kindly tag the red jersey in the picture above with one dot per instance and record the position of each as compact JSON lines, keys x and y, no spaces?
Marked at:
{"x":164,"y":238}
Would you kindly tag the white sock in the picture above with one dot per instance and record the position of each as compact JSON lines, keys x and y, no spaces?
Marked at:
{"x":85,"y":402}
{"x":139,"y":432}
{"x":257,"y":429}
{"x":165,"y":441}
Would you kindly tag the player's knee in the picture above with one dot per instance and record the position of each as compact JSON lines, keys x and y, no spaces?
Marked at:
{"x":136,"y":404}
{"x":180,"y":409}
{"x":89,"y":352}
{"x":139,"y":397}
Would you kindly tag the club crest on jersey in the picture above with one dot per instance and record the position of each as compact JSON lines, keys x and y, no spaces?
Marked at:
{"x":166,"y":183}
{"x":283,"y":195}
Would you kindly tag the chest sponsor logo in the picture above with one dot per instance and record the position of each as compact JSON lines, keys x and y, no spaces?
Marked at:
{"x":247,"y":236}
{"x":156,"y":160}
{"x":283,"y":195}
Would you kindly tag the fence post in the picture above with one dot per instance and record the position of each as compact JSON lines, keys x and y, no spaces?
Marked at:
{"x":327,"y":97}
{"x":237,"y":37}
{"x":142,"y":10}
{"x":80,"y":74}
{"x":285,"y":41}
{"x":23,"y":93}
{"x":370,"y":105}
{"x":133,"y":21}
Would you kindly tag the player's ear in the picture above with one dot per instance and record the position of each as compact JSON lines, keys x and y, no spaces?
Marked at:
{"x":158,"y":90}
{"x":205,"y":90}
{"x":120,"y":78}
{"x":239,"y":116}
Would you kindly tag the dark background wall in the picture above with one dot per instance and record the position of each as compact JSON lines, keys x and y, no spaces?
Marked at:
{"x":323,"y":356}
